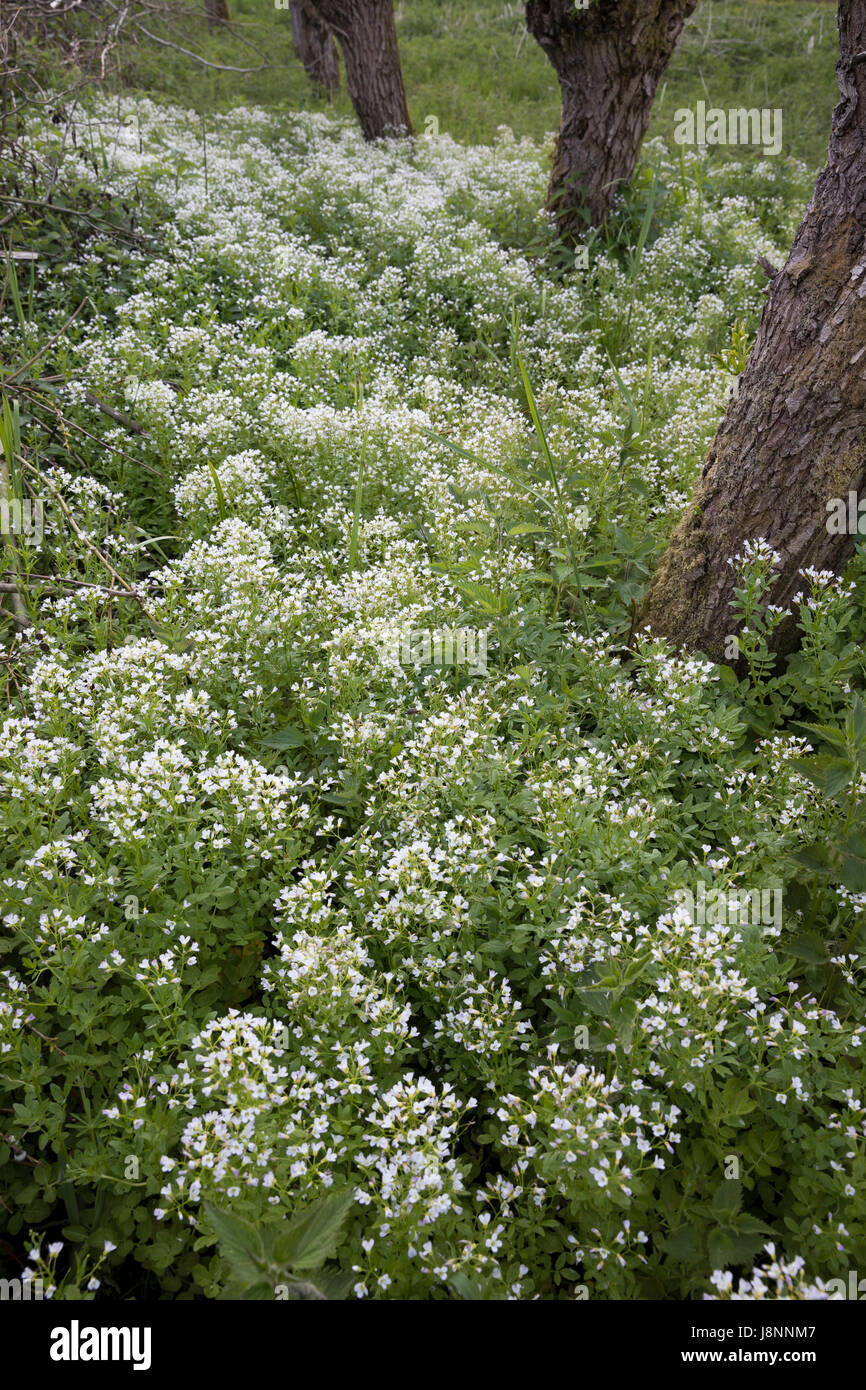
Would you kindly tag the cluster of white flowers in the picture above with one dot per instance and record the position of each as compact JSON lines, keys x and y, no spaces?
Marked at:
{"x":776,"y":1278}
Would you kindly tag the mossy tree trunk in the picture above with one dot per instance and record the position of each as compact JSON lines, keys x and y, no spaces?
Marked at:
{"x":608,"y":58}
{"x":367,"y":35}
{"x":315,"y":45}
{"x":794,"y":438}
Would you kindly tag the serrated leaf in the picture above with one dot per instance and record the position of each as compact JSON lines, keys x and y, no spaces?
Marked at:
{"x":313,"y":1232}
{"x":240,"y":1243}
{"x":727,"y":1198}
{"x":746,"y":1225}
{"x":721,"y":1249}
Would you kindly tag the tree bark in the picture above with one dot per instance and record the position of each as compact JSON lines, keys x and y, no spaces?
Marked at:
{"x":367,"y":36}
{"x":217,"y":12}
{"x":608,"y":58}
{"x":315,"y":45}
{"x":795,"y":436}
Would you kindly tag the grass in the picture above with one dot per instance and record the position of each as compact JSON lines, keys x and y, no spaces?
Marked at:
{"x":473,"y":67}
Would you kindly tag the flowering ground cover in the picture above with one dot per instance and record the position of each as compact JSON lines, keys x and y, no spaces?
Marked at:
{"x":547,"y":966}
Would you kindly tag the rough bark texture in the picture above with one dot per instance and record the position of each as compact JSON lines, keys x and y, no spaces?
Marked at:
{"x":367,"y":36}
{"x":608,"y":58}
{"x":217,"y":12}
{"x":795,"y":436}
{"x":315,"y":45}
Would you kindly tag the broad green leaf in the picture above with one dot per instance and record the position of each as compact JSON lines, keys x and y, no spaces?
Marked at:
{"x":829,"y":775}
{"x":727,"y":1198}
{"x":848,"y":860}
{"x":239,"y":1241}
{"x":465,"y":1287}
{"x":313,"y":1232}
{"x":809,"y":948}
{"x":623,"y":1015}
{"x":683,"y":1244}
{"x":722,"y":1248}
{"x":856,"y":719}
{"x":335,"y":1284}
{"x":828,"y":733}
{"x":258,"y":1293}
{"x":285,"y":738}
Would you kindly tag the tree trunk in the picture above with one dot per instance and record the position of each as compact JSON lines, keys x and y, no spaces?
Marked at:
{"x":608,"y":58}
{"x":217,"y":12}
{"x":795,"y":436}
{"x":367,"y":36}
{"x":315,"y":45}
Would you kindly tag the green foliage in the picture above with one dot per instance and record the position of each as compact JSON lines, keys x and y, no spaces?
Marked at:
{"x":285,"y":1261}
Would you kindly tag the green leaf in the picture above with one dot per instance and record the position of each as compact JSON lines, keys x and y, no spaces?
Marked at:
{"x":728,"y":677}
{"x":222,"y":506}
{"x":722,"y":1249}
{"x":465,"y":1287}
{"x":848,"y":859}
{"x":829,"y":775}
{"x":746,"y":1225}
{"x":623,"y":1015}
{"x":809,"y":948}
{"x":856,"y":720}
{"x":285,"y":738}
{"x":727,"y":1198}
{"x":240,"y":1243}
{"x":335,"y":1284}
{"x":313,"y":1232}
{"x":684,"y":1244}
{"x":828,"y":733}
{"x":813,"y":857}
{"x":258,"y":1293}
